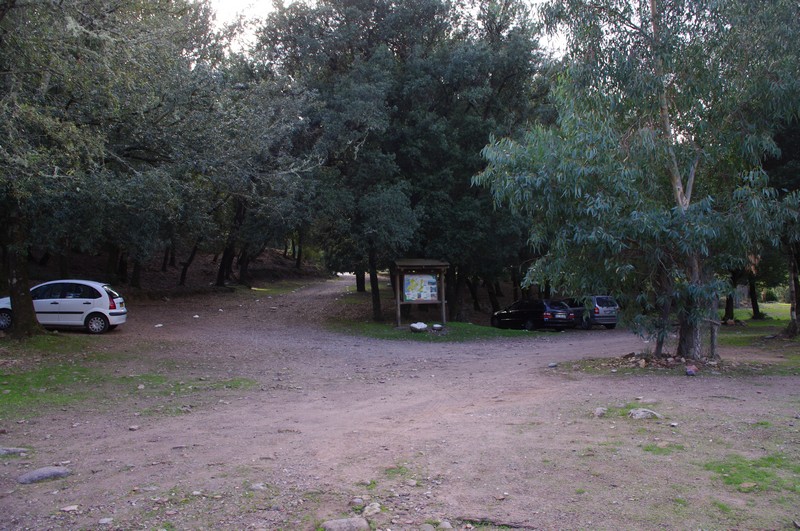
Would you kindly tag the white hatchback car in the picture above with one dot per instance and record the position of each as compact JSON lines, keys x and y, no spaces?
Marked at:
{"x":94,"y":306}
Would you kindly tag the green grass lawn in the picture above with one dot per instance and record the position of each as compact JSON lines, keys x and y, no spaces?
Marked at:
{"x":755,"y":331}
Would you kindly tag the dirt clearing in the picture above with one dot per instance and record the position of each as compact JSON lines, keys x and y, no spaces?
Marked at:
{"x":241,"y":411}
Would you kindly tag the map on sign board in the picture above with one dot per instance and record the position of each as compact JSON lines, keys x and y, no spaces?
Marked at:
{"x":420,"y":288}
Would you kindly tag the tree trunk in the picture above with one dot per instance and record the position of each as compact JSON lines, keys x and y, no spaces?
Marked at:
{"x":361,"y":280}
{"x":491,"y":290}
{"x":229,"y":253}
{"x":713,"y":318}
{"x":374,"y":284}
{"x":455,"y":300}
{"x":515,"y":283}
{"x":689,"y":342}
{"x":64,"y":261}
{"x":226,"y":264}
{"x":136,"y":275}
{"x":689,"y":317}
{"x":794,"y":292}
{"x":112,"y":265}
{"x":298,"y":257}
{"x":729,"y":307}
{"x":24,"y":323}
{"x":185,"y":266}
{"x":730,"y":300}
{"x":165,"y":261}
{"x":751,"y":288}
{"x":122,"y":269}
{"x":498,"y":290}
{"x":244,"y":268}
{"x":472,"y":285}
{"x":663,"y":327}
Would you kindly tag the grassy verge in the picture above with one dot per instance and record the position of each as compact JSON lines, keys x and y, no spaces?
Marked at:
{"x":58,"y":370}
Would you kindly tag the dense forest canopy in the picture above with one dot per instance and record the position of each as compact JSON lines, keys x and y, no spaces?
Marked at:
{"x":652,"y":161}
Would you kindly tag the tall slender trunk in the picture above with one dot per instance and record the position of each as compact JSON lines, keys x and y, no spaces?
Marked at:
{"x":663,"y":327}
{"x":136,"y":275}
{"x":185,"y":266}
{"x":690,"y":316}
{"x":361,"y":280}
{"x":792,"y":329}
{"x":374,"y":284}
{"x":229,"y":253}
{"x":24,"y":323}
{"x":298,"y":258}
{"x":472,"y":286}
{"x":491,"y":290}
{"x":751,"y":287}
{"x":244,"y":267}
{"x":165,"y":261}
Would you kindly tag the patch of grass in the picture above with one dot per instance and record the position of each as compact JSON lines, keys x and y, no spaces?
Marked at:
{"x":397,"y":472}
{"x":663,"y":449}
{"x":28,"y":392}
{"x":51,"y":385}
{"x":680,"y":501}
{"x":452,"y":332}
{"x":50,"y":344}
{"x":623,"y":410}
{"x":754,"y":331}
{"x":580,"y":491}
{"x":774,"y":472}
{"x":722,"y":507}
{"x":371,"y":485}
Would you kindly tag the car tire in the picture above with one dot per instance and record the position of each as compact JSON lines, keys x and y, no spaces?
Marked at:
{"x":586,"y":324}
{"x":611,"y":326}
{"x":5,"y":319}
{"x":529,"y":325}
{"x":96,"y":323}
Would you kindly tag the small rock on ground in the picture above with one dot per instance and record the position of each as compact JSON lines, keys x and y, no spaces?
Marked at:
{"x":41,"y":474}
{"x":346,"y":524}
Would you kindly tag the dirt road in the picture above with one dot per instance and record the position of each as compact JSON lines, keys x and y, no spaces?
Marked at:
{"x":242,"y":411}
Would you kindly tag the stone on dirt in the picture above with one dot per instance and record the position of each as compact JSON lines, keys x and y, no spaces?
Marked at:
{"x":642,"y":413}
{"x":346,"y":524}
{"x":13,"y":451}
{"x":418,"y":327}
{"x":44,"y":473}
{"x":372,"y":509}
{"x":600,"y":412}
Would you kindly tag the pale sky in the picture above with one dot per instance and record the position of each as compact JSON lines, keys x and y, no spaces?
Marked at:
{"x":228,"y":9}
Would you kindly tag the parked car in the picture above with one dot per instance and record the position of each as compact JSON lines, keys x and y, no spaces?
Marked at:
{"x":602,"y":310}
{"x":94,"y":306}
{"x":535,"y":313}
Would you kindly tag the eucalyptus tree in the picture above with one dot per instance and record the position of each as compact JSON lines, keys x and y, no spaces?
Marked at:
{"x":651,"y":182}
